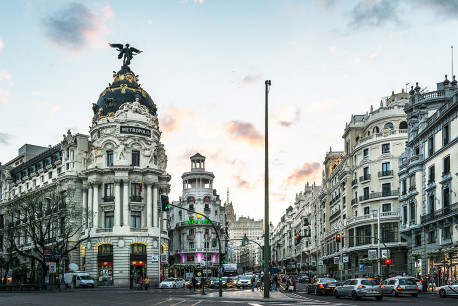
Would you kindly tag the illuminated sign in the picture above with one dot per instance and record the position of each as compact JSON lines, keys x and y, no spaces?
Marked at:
{"x":201,"y":221}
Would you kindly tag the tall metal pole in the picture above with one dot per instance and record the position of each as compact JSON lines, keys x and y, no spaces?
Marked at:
{"x":266,"y":197}
{"x":160,"y":245}
{"x":378,"y":240}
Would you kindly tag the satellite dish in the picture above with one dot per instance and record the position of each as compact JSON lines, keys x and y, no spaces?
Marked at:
{"x":73,"y":267}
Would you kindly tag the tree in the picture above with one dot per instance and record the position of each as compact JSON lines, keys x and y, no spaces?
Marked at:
{"x":44,"y":219}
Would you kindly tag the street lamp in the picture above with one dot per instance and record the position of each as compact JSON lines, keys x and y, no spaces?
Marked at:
{"x":378,"y":238}
{"x":266,"y":197}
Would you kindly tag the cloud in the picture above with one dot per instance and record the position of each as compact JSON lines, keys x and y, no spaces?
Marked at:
{"x":4,"y":94}
{"x":195,"y":1}
{"x":173,"y":118}
{"x":308,"y":171}
{"x":241,"y":183}
{"x":287,"y":116}
{"x":75,"y":26}
{"x":150,"y":22}
{"x":4,"y":138}
{"x":6,"y":80}
{"x":244,"y":131}
{"x":51,"y":109}
{"x":2,"y":45}
{"x":374,"y":13}
{"x":278,"y":196}
{"x":328,"y":4}
{"x":251,"y":80}
{"x":444,"y":8}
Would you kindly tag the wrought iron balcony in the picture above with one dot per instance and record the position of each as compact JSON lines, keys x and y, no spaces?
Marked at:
{"x":375,"y":195}
{"x":136,"y":198}
{"x":334,"y":215}
{"x":441,"y":213}
{"x":109,"y":199}
{"x":365,"y":177}
{"x":385,"y":173}
{"x":191,"y":237}
{"x":354,"y":182}
{"x":354,"y":201}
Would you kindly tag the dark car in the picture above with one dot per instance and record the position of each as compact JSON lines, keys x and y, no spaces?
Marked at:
{"x":322,"y":286}
{"x":304,"y":279}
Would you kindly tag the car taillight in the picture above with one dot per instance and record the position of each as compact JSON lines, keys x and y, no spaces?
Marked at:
{"x":361,"y":287}
{"x":381,"y":287}
{"x":399,"y":288}
{"x":321,"y":286}
{"x":416,"y":288}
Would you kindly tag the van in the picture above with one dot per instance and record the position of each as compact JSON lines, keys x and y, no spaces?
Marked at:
{"x":79,"y":279}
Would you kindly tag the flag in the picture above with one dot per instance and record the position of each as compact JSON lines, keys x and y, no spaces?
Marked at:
{"x":141,"y":185}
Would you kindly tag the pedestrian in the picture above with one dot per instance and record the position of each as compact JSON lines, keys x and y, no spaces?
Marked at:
{"x":274,"y":282}
{"x":146,"y":282}
{"x":194,"y":282}
{"x":140,"y":283}
{"x":261,"y":283}
{"x":293,"y":282}
{"x":253,"y":282}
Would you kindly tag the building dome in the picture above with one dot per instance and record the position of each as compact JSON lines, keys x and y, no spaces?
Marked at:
{"x":125,"y":88}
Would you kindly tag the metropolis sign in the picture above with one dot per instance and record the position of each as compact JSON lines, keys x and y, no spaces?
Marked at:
{"x":135,"y":130}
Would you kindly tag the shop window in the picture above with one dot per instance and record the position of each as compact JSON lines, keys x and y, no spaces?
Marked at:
{"x":190,"y":258}
{"x":135,"y":219}
{"x":136,"y":158}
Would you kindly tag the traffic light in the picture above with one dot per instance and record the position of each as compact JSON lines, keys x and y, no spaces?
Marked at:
{"x":223,"y":258}
{"x":338,"y":237}
{"x":165,"y":202}
{"x":387,"y":261}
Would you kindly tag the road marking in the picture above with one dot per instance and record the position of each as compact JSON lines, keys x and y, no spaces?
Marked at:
{"x":162,"y":302}
{"x":196,"y":303}
{"x":177,"y":303}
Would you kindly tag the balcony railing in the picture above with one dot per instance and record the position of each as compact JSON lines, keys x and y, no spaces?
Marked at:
{"x":365,"y":177}
{"x":385,"y":173}
{"x":443,"y":212}
{"x":191,"y":237}
{"x":136,"y":198}
{"x":108,"y":198}
{"x":334,"y":215}
{"x":138,"y":229}
{"x":375,"y":195}
{"x":104,"y":230}
{"x":354,"y":182}
{"x":354,"y":201}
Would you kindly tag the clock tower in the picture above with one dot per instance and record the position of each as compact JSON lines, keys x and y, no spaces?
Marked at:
{"x":230,"y":214}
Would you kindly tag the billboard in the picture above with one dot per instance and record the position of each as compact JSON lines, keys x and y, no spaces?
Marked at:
{"x":230,"y":267}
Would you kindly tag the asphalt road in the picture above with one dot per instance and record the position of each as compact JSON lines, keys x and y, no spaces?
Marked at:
{"x":423,"y":298}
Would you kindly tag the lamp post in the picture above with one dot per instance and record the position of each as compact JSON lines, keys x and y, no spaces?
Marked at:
{"x":266,"y":196}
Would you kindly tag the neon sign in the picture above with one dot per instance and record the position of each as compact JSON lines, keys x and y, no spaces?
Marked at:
{"x":200,"y":221}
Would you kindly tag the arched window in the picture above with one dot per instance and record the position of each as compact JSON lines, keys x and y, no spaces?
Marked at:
{"x":105,"y":249}
{"x":375,"y":129}
{"x":138,"y":249}
{"x":389,"y":126}
{"x":403,"y":125}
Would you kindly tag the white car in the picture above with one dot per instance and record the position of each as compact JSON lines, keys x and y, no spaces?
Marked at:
{"x":447,"y":290}
{"x":172,"y":283}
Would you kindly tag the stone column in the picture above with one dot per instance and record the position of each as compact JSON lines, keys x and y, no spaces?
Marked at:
{"x":149,"y":205}
{"x":89,"y":205}
{"x":155,"y":211}
{"x":125,"y":203}
{"x":84,"y":212}
{"x":95,"y":205}
{"x":117,"y":212}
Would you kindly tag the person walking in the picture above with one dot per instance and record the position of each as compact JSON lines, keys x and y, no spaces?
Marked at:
{"x":253,"y":282}
{"x":140,"y":283}
{"x":275,"y":282}
{"x":146,"y":282}
{"x":293,"y":282}
{"x":194,"y":282}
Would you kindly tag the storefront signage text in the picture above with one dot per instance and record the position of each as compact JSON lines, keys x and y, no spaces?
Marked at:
{"x":200,"y":221}
{"x":135,"y":130}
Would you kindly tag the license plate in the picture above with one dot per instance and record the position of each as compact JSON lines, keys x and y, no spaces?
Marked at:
{"x":373,"y":292}
{"x":410,"y":287}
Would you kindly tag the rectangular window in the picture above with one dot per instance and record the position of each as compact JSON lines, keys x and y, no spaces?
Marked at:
{"x":445,"y":135}
{"x":366,"y":172}
{"x":136,"y":158}
{"x":431,"y":205}
{"x":412,"y":213}
{"x":432,"y":174}
{"x":386,"y":190}
{"x":386,"y":167}
{"x":110,"y":158}
{"x":404,"y":186}
{"x":366,"y":153}
{"x":135,"y":189}
{"x":418,"y":240}
{"x":417,"y":150}
{"x":2,"y":221}
{"x":389,"y":232}
{"x":432,"y":237}
{"x":404,"y":218}
{"x":386,"y":207}
{"x":447,"y":233}
{"x":109,"y":219}
{"x":446,"y":165}
{"x":431,"y":146}
{"x":366,"y":193}
{"x":366,"y":210}
{"x":412,"y":182}
{"x":135,"y":219}
{"x":386,"y":148}
{"x":108,"y":193}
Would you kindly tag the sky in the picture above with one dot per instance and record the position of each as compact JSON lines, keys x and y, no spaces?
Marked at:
{"x":205,"y":62}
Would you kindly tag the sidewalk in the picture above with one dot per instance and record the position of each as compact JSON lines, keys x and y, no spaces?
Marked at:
{"x":246,"y":295}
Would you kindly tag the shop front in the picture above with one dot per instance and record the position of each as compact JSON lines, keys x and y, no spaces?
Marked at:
{"x":138,"y":261}
{"x":105,"y":265}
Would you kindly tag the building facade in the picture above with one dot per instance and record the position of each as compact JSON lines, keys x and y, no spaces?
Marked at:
{"x":193,"y":238}
{"x":118,"y":173}
{"x":428,"y":171}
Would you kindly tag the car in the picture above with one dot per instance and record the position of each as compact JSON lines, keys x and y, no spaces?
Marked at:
{"x":358,"y":288}
{"x":304,"y":279}
{"x":419,"y":284}
{"x":447,"y":290}
{"x":322,"y":286}
{"x":226,"y":282}
{"x":400,"y":285}
{"x":244,"y":281}
{"x":172,"y":283}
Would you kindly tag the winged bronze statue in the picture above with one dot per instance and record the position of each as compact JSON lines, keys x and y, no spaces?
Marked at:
{"x":126,"y":51}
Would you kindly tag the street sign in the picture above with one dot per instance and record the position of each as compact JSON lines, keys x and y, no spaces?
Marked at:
{"x":345,"y":259}
{"x":46,"y":253}
{"x":220,"y":269}
{"x":361,"y":267}
{"x":52,"y":267}
{"x":372,"y":254}
{"x":385,"y":253}
{"x":341,"y":266}
{"x":155,"y":258}
{"x":202,"y":263}
{"x":336,"y":260}
{"x":163,"y":257}
{"x":320,"y":262}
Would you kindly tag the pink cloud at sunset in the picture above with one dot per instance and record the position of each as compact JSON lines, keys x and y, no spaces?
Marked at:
{"x":244,"y":132}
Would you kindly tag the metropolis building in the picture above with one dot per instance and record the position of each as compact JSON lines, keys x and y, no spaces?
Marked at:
{"x":118,"y":173}
{"x":190,"y":231}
